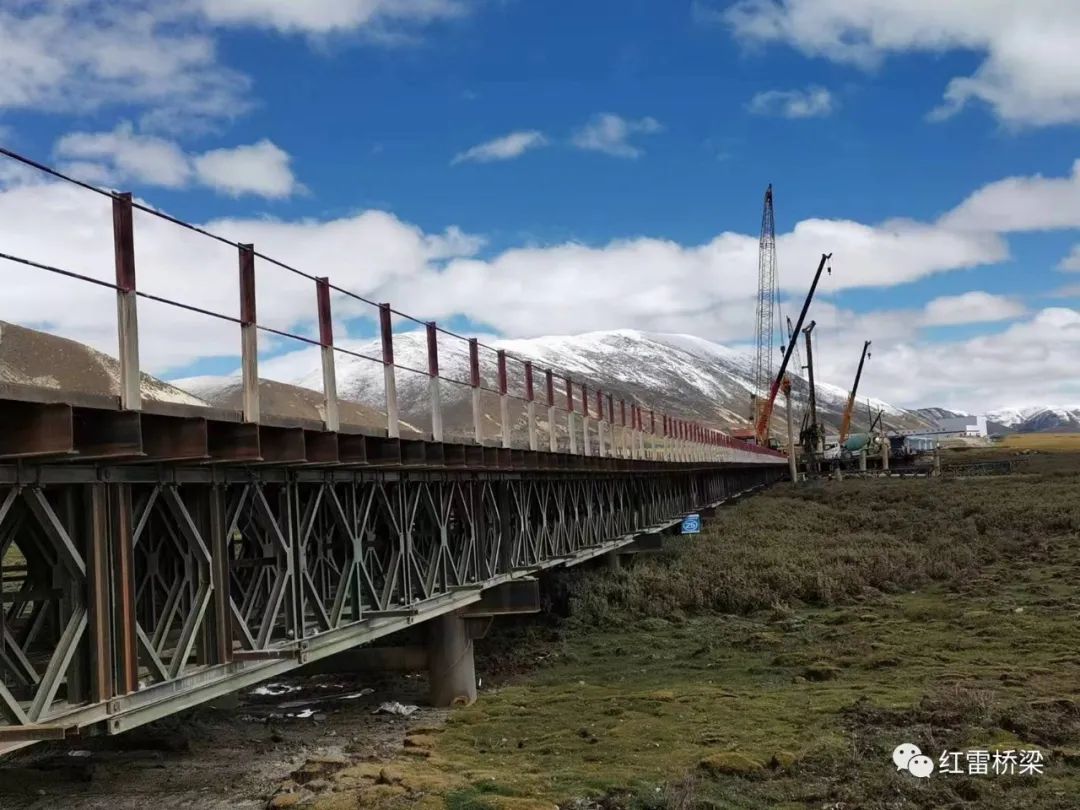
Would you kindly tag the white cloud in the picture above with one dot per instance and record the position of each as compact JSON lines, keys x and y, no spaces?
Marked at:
{"x":1032,"y":362}
{"x":970,"y":307}
{"x":611,"y":134}
{"x":328,"y":16}
{"x":1021,"y":204}
{"x":1030,"y":73}
{"x":124,"y":156}
{"x":161,"y":58}
{"x":174,"y":263}
{"x":813,"y":102}
{"x":507,"y":147}
{"x":261,"y":168}
{"x":568,"y":287}
{"x":66,"y":56}
{"x":1072,"y":261}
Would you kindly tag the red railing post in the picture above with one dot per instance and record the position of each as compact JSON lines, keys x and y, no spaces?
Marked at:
{"x":249,"y":335}
{"x":393,"y":424}
{"x":127,"y":314}
{"x":326,"y":343}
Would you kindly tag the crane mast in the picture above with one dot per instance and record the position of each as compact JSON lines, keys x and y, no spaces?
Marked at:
{"x":766,"y":304}
{"x":761,"y":428}
{"x":845,"y":425}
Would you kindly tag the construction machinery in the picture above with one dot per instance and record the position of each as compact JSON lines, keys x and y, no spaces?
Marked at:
{"x":766,"y":303}
{"x":812,"y":435}
{"x":761,"y":428}
{"x":845,"y":424}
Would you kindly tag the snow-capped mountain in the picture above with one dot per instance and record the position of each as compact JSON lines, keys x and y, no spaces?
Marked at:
{"x":1038,"y":419}
{"x":676,"y":374}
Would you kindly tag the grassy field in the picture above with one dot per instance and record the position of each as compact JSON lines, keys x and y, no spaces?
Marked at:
{"x":1044,"y":442}
{"x":777,"y":661}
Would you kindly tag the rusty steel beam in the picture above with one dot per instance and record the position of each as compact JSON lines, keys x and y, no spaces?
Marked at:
{"x":36,"y":429}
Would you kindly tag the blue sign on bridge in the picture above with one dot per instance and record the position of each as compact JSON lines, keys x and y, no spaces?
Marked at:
{"x":691,"y":524}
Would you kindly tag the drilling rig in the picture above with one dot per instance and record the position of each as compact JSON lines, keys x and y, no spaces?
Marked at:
{"x":761,"y":403}
{"x":812,"y":436}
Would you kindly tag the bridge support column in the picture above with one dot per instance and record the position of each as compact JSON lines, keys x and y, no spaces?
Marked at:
{"x":451,"y":669}
{"x":862,"y":460}
{"x":571,"y":431}
{"x":884,"y":454}
{"x":585,"y":434}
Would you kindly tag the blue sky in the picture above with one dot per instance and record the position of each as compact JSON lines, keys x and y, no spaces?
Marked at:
{"x":531,"y":168}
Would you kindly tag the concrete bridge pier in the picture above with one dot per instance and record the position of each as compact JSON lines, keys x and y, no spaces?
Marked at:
{"x":451,"y":667}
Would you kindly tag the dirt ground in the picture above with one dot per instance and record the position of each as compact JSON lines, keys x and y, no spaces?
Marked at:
{"x":236,"y":754}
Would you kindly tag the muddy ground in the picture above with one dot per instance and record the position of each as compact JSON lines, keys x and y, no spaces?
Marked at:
{"x":235,"y":754}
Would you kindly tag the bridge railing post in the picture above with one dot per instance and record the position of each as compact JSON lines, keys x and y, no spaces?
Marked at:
{"x":530,"y":405}
{"x":585,"y":420}
{"x":643,"y":453}
{"x":326,"y":343}
{"x":433,"y":382}
{"x":549,"y":381}
{"x":570,"y":428}
{"x":127,"y":315}
{"x":600,"y":422}
{"x":614,"y":449}
{"x":651,"y":449}
{"x":386,"y":328}
{"x":623,"y":444}
{"x":474,"y":382}
{"x":504,"y":399}
{"x":249,"y":336}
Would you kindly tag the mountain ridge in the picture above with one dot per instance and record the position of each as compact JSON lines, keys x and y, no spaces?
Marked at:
{"x":677,"y":374}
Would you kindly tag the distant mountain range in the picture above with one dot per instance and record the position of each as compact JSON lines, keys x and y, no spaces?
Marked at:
{"x":1035,"y":419}
{"x":678,"y":374}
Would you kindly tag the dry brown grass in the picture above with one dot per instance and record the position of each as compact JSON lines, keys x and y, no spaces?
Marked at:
{"x":828,"y":543}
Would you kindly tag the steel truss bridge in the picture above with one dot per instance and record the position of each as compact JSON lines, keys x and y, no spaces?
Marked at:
{"x":154,"y":556}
